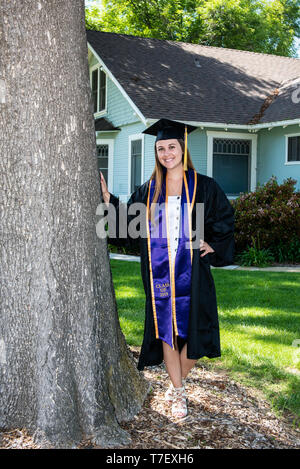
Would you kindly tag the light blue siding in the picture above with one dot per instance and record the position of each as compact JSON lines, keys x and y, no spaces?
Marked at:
{"x":121,"y":158}
{"x":122,"y":115}
{"x":271,"y":155}
{"x":92,"y":59}
{"x":119,"y":111}
{"x":149,"y":156}
{"x":197,"y":145}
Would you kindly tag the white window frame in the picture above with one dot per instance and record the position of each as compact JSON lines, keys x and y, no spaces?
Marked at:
{"x":100,"y":68}
{"x":287,"y":148}
{"x":110,"y":143}
{"x":130,"y":139}
{"x":237,"y":136}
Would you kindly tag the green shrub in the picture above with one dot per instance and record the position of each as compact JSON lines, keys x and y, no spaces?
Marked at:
{"x":269,"y":216}
{"x":131,"y":251}
{"x":289,"y":252}
{"x":256,"y":256}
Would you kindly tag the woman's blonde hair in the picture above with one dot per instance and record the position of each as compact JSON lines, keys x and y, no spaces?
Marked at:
{"x":158,"y":175}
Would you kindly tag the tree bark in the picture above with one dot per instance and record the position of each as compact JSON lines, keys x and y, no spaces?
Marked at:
{"x":65,"y":371}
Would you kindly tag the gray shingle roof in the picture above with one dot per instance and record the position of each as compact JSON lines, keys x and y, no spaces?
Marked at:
{"x":190,"y":82}
{"x":287,"y":104}
{"x":104,"y":124}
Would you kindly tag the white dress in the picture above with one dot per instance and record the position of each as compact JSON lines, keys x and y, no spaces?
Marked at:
{"x":174,"y":204}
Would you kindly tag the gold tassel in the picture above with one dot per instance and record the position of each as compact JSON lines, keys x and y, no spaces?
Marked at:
{"x":185,"y":150}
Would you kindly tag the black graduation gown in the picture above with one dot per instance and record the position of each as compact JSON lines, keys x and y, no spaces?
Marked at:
{"x":203,"y":331}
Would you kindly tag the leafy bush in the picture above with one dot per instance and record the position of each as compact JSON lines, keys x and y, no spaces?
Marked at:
{"x":269,"y":217}
{"x":130,"y":251}
{"x":287,"y":252}
{"x":256,"y":256}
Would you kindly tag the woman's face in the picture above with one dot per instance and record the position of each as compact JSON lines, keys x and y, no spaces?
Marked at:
{"x":169,"y":153}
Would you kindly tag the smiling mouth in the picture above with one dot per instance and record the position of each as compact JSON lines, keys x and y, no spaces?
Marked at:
{"x":168,"y":160}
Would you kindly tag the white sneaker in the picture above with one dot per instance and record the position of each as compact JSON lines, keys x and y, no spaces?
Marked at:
{"x":170,"y":391}
{"x":179,"y":406}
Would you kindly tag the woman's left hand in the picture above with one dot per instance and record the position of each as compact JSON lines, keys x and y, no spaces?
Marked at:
{"x":205,"y":248}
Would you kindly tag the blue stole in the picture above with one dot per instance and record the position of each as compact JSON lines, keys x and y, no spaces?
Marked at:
{"x":171,"y":305}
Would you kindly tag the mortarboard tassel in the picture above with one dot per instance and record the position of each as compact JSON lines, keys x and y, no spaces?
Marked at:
{"x":185,"y":150}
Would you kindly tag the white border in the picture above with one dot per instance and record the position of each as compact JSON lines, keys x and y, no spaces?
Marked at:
{"x":131,"y":138}
{"x":288,"y":163}
{"x":110,"y":143}
{"x":235,"y":135}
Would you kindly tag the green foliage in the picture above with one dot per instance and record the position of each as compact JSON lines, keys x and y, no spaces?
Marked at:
{"x":93,"y":18}
{"x":254,"y":25}
{"x":269,"y":216}
{"x":128,"y":250}
{"x":257,"y":26}
{"x":256,"y":256}
{"x":287,"y":252}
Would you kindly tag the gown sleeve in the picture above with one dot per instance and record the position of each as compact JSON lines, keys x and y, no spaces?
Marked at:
{"x":120,"y":215}
{"x":219,"y":227}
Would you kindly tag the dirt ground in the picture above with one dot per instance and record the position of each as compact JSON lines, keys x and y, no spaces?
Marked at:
{"x":222,"y":414}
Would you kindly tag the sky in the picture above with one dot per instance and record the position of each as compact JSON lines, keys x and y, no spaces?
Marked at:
{"x":89,"y":2}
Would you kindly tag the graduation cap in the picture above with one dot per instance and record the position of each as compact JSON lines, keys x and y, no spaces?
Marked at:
{"x":165,"y":129}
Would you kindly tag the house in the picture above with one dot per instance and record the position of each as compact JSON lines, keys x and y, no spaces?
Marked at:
{"x":245,"y":105}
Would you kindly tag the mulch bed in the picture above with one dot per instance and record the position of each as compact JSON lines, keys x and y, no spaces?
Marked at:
{"x":222,"y":414}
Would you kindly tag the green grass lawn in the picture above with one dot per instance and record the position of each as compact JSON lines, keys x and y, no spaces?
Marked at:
{"x":259,"y":314}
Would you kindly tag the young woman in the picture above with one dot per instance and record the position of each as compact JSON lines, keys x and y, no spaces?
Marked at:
{"x":181,"y":322}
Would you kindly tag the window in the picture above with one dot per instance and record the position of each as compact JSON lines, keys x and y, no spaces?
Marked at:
{"x":105,"y":160}
{"x":293,"y":153}
{"x":102,"y":157}
{"x":231,"y":164}
{"x":136,"y":164}
{"x":231,"y":160}
{"x":98,"y":85}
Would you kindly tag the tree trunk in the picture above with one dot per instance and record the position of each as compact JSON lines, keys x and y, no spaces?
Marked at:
{"x":65,"y":372}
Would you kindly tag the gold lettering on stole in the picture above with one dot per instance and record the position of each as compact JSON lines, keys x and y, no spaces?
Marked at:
{"x":162,"y":287}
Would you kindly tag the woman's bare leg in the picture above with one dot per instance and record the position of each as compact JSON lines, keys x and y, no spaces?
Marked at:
{"x":172,"y":360}
{"x":173,"y":364}
{"x":186,"y":364}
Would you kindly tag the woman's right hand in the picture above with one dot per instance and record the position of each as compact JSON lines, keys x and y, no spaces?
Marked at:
{"x":105,"y":193}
